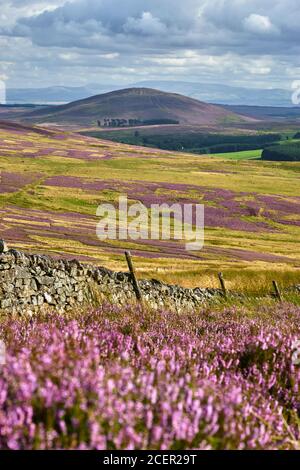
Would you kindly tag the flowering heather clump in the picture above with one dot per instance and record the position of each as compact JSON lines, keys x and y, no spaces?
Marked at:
{"x":10,"y":182}
{"x":115,"y":379}
{"x":229,"y":208}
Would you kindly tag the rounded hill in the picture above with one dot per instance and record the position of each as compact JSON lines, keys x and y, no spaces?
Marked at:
{"x":143,"y":105}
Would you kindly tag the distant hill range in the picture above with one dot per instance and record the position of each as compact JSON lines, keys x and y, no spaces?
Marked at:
{"x":135,"y":106}
{"x":267,"y":113}
{"x":223,"y":94}
{"x":54,"y":94}
{"x":208,"y":92}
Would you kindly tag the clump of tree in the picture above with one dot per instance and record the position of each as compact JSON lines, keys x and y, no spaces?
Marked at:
{"x":282,"y":153}
{"x":297,"y":136}
{"x":190,"y":141}
{"x":154,"y":122}
{"x":117,"y":122}
{"x":210,"y":143}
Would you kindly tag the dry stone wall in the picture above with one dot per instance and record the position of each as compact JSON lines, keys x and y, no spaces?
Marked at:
{"x":30,"y":283}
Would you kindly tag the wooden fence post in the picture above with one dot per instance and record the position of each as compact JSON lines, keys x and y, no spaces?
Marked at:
{"x":3,"y":247}
{"x":134,"y":280}
{"x":223,"y":286}
{"x":277,"y":291}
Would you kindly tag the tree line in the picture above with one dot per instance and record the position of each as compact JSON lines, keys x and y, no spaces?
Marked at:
{"x":120,"y":122}
{"x":282,"y":153}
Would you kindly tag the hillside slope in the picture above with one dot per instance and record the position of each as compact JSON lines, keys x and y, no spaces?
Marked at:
{"x":143,"y":104}
{"x":52,"y":182}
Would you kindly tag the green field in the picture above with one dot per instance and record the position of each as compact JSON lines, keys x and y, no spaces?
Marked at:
{"x":246,"y":155}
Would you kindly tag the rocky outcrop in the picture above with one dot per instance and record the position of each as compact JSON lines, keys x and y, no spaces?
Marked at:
{"x":31,"y":283}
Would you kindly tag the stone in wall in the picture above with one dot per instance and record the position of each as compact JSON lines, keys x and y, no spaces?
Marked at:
{"x":30,"y":283}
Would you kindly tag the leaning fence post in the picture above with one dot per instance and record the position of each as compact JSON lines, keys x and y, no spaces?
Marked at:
{"x":135,"y":283}
{"x":223,"y":286}
{"x":3,"y":247}
{"x":277,"y":291}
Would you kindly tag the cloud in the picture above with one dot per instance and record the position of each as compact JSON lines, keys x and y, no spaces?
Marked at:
{"x":259,"y":24}
{"x":193,"y":39}
{"x":161,"y":24}
{"x":146,"y":25}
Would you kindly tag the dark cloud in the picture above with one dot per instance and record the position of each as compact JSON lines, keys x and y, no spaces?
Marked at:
{"x":227,"y":37}
{"x":192,"y":23}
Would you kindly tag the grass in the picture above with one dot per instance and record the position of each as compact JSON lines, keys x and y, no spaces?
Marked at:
{"x":245,"y":155}
{"x":253,"y":281}
{"x":125,"y":169}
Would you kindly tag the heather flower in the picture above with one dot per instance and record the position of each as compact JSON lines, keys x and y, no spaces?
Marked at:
{"x":211,"y":380}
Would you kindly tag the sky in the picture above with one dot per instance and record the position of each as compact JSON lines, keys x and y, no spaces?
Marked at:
{"x":253,"y":43}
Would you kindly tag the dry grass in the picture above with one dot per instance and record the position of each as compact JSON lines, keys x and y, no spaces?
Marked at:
{"x":225,"y":249}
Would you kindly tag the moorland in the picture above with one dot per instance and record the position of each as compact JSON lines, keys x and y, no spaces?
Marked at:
{"x":110,"y":377}
{"x":52,"y":181}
